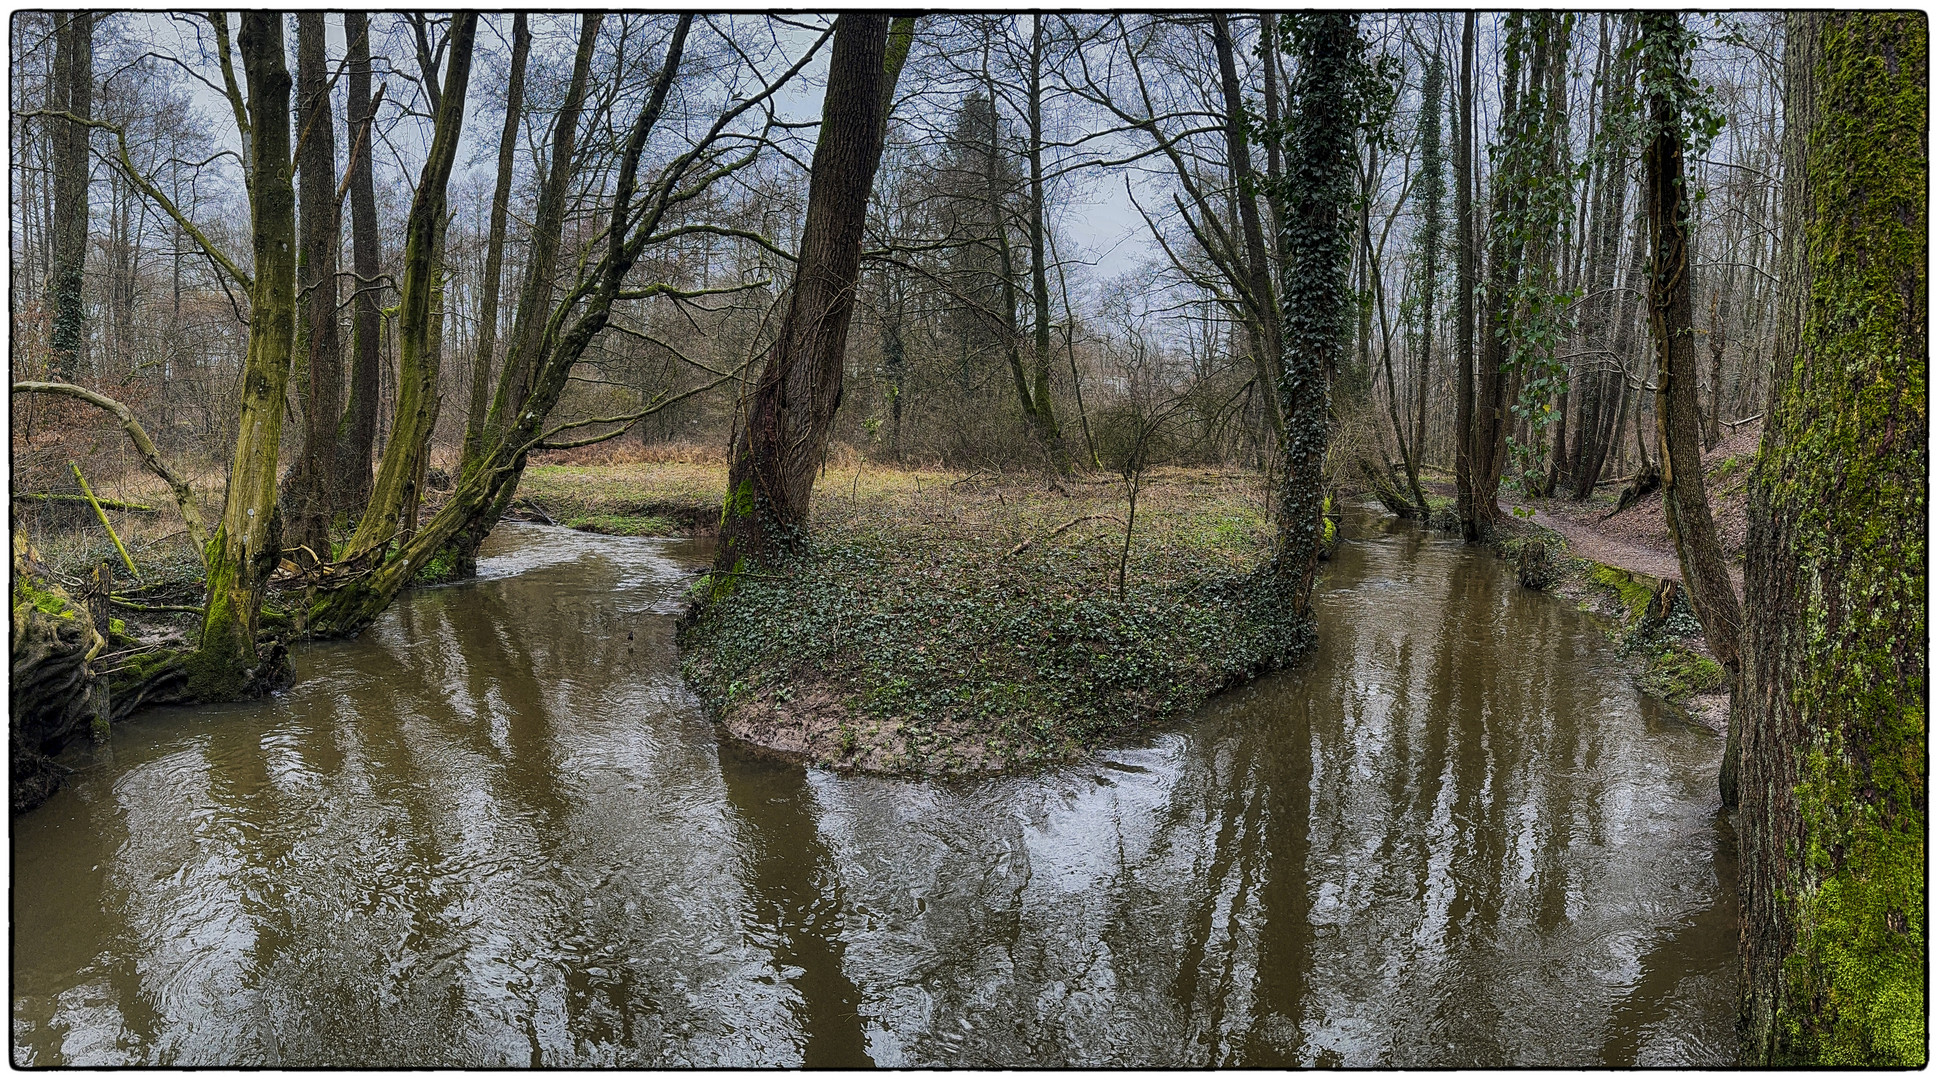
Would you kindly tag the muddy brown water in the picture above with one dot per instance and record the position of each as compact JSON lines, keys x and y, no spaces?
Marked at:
{"x":497,"y":830}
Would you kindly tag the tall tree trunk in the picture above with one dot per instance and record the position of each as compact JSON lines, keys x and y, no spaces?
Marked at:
{"x":1464,"y":457}
{"x":72,"y":90}
{"x":1317,"y":235}
{"x":1039,"y":266}
{"x":317,"y":182}
{"x":521,"y":47}
{"x":417,"y":362}
{"x":1504,"y":254}
{"x":1429,"y":192}
{"x":1685,"y":500}
{"x":248,"y":538}
{"x":359,"y":434}
{"x":1834,"y":755}
{"x":778,"y":445}
{"x":1262,"y":305}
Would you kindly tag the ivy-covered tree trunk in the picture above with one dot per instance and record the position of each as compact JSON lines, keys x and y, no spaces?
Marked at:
{"x":1832,"y":815}
{"x":358,"y":437}
{"x":71,"y":88}
{"x":1429,"y":193}
{"x":1505,"y":249}
{"x":394,"y":495}
{"x":315,"y":480}
{"x":778,"y":444}
{"x":248,"y":538}
{"x":1317,"y":238}
{"x":1464,"y":430}
{"x":1685,"y":499}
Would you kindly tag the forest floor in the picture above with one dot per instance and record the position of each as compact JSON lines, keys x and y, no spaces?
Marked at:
{"x":959,"y":623}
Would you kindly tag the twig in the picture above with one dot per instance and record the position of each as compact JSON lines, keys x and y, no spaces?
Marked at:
{"x":103,"y":515}
{"x":124,"y":602}
{"x":1060,"y":530}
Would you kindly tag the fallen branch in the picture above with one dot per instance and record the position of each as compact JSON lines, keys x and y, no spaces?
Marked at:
{"x":126,"y":560}
{"x":184,"y":495}
{"x":111,"y":504}
{"x":1060,"y":530}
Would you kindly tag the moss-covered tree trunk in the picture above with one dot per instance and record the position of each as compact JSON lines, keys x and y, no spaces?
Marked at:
{"x":1317,"y":238}
{"x":1832,"y":815}
{"x":315,"y":470}
{"x":486,"y":484}
{"x":248,"y":538}
{"x":778,"y":444}
{"x":1672,"y":328}
{"x":53,"y":691}
{"x":393,"y":495}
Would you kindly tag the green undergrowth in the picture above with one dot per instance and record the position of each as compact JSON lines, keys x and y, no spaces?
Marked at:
{"x":643,"y":499}
{"x":912,"y":636}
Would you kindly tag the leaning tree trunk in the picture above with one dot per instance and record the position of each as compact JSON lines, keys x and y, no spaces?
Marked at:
{"x":1317,"y":235}
{"x":1672,"y":326}
{"x":1834,"y":760}
{"x":784,"y":431}
{"x":248,"y":538}
{"x":315,"y":470}
{"x":394,"y":495}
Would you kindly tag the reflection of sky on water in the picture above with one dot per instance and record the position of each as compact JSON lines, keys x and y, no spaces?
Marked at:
{"x":497,"y":831}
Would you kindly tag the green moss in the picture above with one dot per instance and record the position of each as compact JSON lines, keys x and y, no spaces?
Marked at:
{"x":1677,"y":672}
{"x":439,"y":568}
{"x":117,"y":627}
{"x":1635,"y":590}
{"x":46,"y":601}
{"x":1843,"y":471}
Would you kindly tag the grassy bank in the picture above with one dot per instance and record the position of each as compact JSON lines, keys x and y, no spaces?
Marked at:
{"x":950,"y":623}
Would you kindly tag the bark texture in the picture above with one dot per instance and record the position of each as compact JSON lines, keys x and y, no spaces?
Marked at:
{"x":248,"y":537}
{"x":315,"y":479}
{"x":778,"y":445}
{"x":394,"y":495}
{"x":1834,"y":760}
{"x":1685,"y":501}
{"x":359,"y":435}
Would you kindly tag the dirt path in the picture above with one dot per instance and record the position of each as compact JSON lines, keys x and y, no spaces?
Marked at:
{"x":1589,"y":543}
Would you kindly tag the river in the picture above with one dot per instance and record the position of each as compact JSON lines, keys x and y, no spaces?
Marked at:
{"x":498,"y":830}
